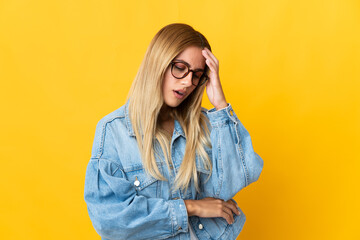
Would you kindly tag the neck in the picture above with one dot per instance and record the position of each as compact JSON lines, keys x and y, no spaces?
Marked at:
{"x":164,"y":114}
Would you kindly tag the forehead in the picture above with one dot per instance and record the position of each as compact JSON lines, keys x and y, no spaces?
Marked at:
{"x":193,"y":56}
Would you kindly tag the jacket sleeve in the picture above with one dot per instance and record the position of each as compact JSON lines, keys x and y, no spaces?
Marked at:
{"x":114,"y":207}
{"x":235,"y":164}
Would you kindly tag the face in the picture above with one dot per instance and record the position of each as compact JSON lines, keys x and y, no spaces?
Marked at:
{"x":175,"y":91}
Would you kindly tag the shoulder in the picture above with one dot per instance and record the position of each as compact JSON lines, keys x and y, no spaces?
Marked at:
{"x":109,"y":126}
{"x":110,"y":117}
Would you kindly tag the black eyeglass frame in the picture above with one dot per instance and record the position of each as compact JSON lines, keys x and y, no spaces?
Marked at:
{"x":201,"y":80}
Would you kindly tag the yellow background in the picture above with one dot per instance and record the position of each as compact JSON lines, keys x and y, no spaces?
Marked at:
{"x":289,"y":68}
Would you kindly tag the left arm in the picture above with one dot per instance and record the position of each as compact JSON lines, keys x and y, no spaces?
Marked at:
{"x":235,"y":164}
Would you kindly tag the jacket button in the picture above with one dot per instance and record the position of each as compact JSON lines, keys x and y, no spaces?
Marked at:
{"x":200,"y":226}
{"x":137,"y":182}
{"x":179,"y":228}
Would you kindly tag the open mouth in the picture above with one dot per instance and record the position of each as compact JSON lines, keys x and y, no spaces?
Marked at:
{"x":180,"y":93}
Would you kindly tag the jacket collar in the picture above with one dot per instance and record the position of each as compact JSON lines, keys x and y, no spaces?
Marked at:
{"x":177,"y":127}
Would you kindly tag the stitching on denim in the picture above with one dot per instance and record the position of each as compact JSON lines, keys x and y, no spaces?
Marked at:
{"x":109,"y":160}
{"x":112,"y":174}
{"x":220,"y":165}
{"x":139,"y":166}
{"x":185,"y":218}
{"x":195,"y":221}
{"x":148,"y":183}
{"x":241,"y":153}
{"x":147,"y":179}
{"x":220,"y":124}
{"x":172,"y":210}
{"x":239,"y":148}
{"x":179,"y":134}
{"x":103,"y":131}
{"x":232,"y":117}
{"x":97,"y":175}
{"x":246,"y":171}
{"x":227,"y":231}
{"x":128,"y":122}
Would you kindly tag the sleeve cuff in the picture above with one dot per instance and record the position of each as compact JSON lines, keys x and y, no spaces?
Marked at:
{"x":179,"y":216}
{"x":221,"y":115}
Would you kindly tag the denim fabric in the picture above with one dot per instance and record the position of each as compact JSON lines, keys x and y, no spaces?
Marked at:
{"x":123,"y":202}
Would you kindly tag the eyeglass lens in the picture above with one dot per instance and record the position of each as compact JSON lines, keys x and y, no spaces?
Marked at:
{"x":180,"y":70}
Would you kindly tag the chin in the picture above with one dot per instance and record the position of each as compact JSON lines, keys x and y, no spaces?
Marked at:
{"x":173,"y":104}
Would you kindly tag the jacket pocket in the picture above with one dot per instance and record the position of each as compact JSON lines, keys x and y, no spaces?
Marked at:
{"x":144,"y":184}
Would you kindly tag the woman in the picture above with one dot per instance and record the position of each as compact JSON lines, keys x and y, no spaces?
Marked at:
{"x":163,"y":167}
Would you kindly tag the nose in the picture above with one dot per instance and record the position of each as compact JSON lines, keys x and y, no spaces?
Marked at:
{"x":187,"y":81}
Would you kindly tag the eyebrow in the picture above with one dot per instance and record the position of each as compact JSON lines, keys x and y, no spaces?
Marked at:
{"x":179,"y":60}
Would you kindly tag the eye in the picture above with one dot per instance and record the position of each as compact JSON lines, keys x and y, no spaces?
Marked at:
{"x":198,"y":75}
{"x":180,"y":66}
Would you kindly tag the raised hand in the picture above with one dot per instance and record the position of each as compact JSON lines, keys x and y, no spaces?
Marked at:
{"x":213,"y":86}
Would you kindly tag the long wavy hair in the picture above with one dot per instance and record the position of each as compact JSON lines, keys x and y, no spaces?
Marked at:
{"x":146,"y":99}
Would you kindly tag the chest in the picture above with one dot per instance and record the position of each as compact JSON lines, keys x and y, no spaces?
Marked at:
{"x":133,"y":168}
{"x":168,"y":126}
{"x":147,"y":185}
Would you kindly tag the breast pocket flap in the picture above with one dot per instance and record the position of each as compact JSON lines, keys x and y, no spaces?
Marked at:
{"x":140,"y":179}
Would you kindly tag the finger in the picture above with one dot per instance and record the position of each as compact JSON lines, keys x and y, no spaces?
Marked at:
{"x":211,"y":58}
{"x":229,"y":212}
{"x":233,"y":207}
{"x":227,"y":217}
{"x":233,"y":202}
{"x":236,"y":206}
{"x":211,"y":65}
{"x":209,"y":53}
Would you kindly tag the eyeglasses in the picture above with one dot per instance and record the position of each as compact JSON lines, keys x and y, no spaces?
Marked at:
{"x":180,"y":69}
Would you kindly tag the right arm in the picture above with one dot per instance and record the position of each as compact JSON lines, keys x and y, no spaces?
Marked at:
{"x":114,"y":207}
{"x":117,"y":212}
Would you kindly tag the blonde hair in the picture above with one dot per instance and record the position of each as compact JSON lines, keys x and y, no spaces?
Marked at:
{"x":146,"y":99}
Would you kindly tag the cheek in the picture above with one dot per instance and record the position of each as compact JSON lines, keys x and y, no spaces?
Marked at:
{"x":168,"y":79}
{"x":166,"y":86}
{"x":192,"y":89}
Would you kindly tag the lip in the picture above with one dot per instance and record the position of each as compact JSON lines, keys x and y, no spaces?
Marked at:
{"x":180,"y":90}
{"x":178,"y":95}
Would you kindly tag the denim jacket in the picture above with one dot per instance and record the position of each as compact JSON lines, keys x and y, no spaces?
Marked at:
{"x":124,"y":202}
